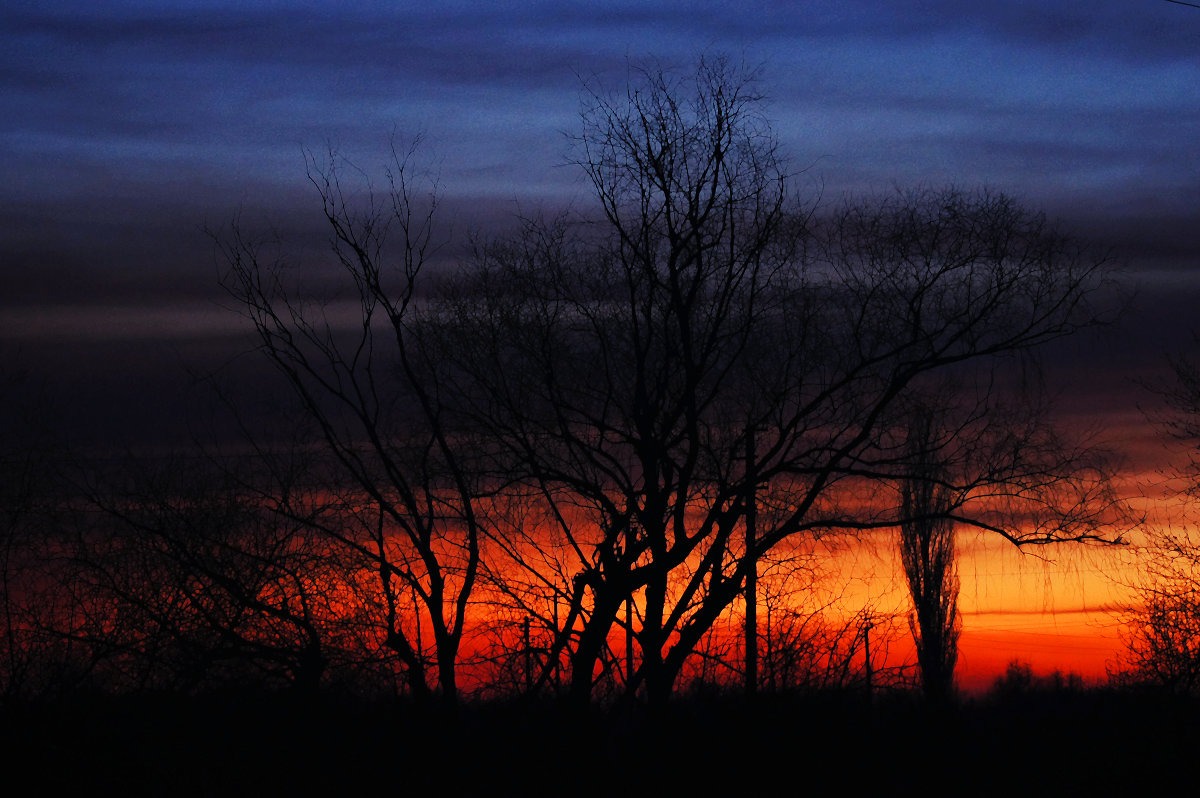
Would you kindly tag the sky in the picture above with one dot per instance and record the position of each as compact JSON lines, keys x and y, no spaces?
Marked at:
{"x":128,"y":128}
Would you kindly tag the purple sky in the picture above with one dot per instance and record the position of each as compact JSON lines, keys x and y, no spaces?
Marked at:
{"x":125,"y":127}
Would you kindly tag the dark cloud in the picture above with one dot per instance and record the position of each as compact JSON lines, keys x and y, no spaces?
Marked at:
{"x":1149,"y":32}
{"x":126,"y":127}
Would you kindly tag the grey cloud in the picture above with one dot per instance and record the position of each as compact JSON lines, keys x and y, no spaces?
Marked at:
{"x":114,"y":113}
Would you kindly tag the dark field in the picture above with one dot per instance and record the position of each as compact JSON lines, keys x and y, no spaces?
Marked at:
{"x":1037,"y":742}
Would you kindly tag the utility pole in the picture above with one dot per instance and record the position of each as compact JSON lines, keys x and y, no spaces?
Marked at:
{"x":751,"y":630}
{"x":630,"y":535}
{"x":628,"y":642}
{"x":554,"y":668}
{"x":867,"y":624}
{"x":771,"y":687}
{"x":420,"y":648}
{"x":528,"y":656}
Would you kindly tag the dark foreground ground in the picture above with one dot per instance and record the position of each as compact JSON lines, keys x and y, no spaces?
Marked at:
{"x":1093,"y":742}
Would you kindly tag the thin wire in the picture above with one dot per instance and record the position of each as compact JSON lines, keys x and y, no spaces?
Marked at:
{"x":1181,"y":3}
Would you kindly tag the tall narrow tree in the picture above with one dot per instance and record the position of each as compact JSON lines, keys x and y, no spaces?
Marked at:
{"x":927,"y":552}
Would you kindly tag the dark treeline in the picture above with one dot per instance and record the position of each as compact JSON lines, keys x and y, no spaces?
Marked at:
{"x":568,"y":465}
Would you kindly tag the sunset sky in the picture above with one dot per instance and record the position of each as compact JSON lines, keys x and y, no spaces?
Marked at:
{"x":128,"y":126}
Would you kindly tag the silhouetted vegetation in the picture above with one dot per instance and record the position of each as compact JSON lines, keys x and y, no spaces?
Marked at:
{"x":1163,"y":624}
{"x":927,"y":555}
{"x":1095,"y":740}
{"x":530,"y":494}
{"x":583,"y":419}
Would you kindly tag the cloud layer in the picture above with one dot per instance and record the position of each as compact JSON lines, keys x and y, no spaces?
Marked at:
{"x":127,"y":127}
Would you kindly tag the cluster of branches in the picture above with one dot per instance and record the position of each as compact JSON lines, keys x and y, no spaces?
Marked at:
{"x":604,"y":424}
{"x":1163,"y":620}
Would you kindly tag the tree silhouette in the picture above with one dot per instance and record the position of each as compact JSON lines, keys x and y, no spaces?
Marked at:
{"x":35,"y":661}
{"x":377,"y":400}
{"x":185,"y":580}
{"x":1163,"y":639}
{"x":705,"y":340}
{"x":927,"y":554}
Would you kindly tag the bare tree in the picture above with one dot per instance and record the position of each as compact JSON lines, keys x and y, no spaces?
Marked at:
{"x":629,"y":409}
{"x":20,"y":472}
{"x":1163,"y":630}
{"x":1163,"y":624}
{"x":375,"y":398}
{"x":186,"y":580}
{"x":705,"y":341}
{"x":608,"y":360}
{"x":34,"y":660}
{"x":927,"y":554}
